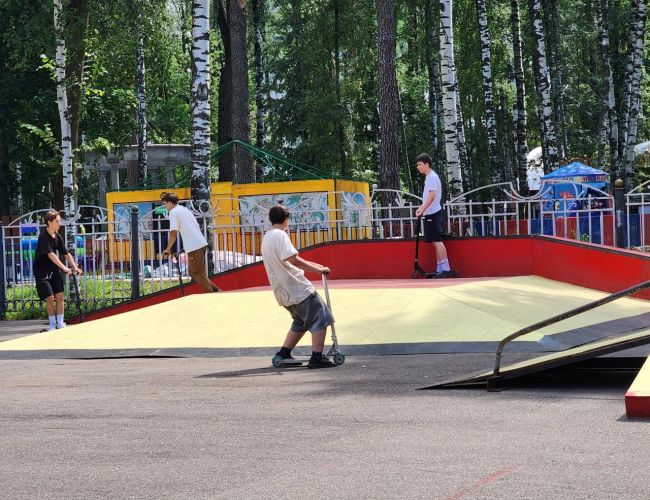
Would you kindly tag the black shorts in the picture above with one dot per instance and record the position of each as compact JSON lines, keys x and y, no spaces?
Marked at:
{"x":49,"y":285}
{"x":433,"y":227}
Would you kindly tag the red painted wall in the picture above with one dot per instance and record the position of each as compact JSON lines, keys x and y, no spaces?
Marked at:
{"x":592,"y":266}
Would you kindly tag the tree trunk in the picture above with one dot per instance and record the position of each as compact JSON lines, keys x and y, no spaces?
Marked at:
{"x":258,"y":48}
{"x":76,"y":50}
{"x":237,"y":16}
{"x":337,"y":82}
{"x":638,"y":17}
{"x":521,"y":145}
{"x":4,"y":169}
{"x":506,"y":134}
{"x":465,"y":163}
{"x":549,"y":140}
{"x":557,"y":87}
{"x":496,"y":172}
{"x":387,"y":75}
{"x":433,"y":71}
{"x":64,"y":113}
{"x":200,"y":102}
{"x":608,"y":123}
{"x":142,"y":103}
{"x":449,"y":96}
{"x":224,"y":125}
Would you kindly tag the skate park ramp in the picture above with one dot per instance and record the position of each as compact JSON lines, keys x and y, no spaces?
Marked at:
{"x":381,"y":316}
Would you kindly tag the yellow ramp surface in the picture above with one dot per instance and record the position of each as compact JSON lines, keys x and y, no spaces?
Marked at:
{"x":461,"y":312}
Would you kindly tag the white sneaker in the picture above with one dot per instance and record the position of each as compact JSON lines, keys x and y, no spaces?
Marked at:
{"x":51,"y":329}
{"x":62,"y":325}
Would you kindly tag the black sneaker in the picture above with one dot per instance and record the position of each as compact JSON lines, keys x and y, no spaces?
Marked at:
{"x":323,"y":362}
{"x":443,"y":274}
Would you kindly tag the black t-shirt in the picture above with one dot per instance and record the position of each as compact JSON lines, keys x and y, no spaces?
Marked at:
{"x":47,"y":244}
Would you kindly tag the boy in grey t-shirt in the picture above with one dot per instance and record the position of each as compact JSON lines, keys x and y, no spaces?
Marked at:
{"x":286,"y":272}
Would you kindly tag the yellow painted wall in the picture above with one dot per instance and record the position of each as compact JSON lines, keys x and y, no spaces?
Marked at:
{"x":224,"y":201}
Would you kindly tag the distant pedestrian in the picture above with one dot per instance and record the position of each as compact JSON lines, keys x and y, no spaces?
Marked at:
{"x":182,"y":221}
{"x":48,"y":267}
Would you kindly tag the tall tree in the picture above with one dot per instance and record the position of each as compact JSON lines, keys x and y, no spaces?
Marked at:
{"x":337,"y":83}
{"x":224,"y":126}
{"x":76,"y":33}
{"x":64,"y":112}
{"x":496,"y":173}
{"x":608,"y":122}
{"x":142,"y":98}
{"x":200,"y":101}
{"x":387,"y":76}
{"x":433,"y":72}
{"x":237,"y":17}
{"x":549,"y":140}
{"x":632,"y":96}
{"x":260,"y":84}
{"x":521,"y":145}
{"x":449,"y":100}
{"x":555,"y":63}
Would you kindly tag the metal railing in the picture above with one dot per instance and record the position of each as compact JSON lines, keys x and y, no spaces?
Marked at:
{"x":498,"y":210}
{"x":234,"y":229}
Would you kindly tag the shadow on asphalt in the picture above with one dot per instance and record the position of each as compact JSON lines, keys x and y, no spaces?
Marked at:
{"x":252,"y":372}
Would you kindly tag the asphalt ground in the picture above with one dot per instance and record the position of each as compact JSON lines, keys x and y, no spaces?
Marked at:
{"x":238,"y":428}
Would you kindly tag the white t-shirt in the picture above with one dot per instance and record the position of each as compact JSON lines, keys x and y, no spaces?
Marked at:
{"x":432,"y":182}
{"x":288,"y":282}
{"x":183,"y":221}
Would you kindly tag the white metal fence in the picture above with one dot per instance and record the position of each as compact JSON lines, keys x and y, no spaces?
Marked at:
{"x":234,"y":229}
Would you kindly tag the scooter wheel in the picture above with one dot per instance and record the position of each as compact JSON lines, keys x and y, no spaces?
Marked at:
{"x":277,"y":361}
{"x":338,"y":358}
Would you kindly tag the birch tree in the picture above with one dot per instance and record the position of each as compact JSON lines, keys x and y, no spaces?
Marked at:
{"x":142,"y":100}
{"x":488,"y":92}
{"x":608,"y":121}
{"x":449,"y":98}
{"x":433,"y":73}
{"x":337,"y":85}
{"x":549,"y":140}
{"x":520,"y":127}
{"x":64,"y":114}
{"x":200,"y":101}
{"x":387,"y":75}
{"x":632,"y":97}
{"x":555,"y":68}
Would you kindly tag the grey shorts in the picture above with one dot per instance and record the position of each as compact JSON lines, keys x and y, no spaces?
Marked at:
{"x":311,"y":314}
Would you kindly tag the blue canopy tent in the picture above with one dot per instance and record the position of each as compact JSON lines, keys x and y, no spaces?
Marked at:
{"x":559,"y":184}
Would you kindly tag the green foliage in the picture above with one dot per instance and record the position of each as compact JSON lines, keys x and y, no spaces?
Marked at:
{"x":96,"y":295}
{"x":302,"y":113}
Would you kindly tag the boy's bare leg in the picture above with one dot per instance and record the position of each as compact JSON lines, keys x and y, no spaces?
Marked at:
{"x":318,"y":340}
{"x":292,"y":339}
{"x":50,"y":305}
{"x":59,"y":303}
{"x":441,"y":251}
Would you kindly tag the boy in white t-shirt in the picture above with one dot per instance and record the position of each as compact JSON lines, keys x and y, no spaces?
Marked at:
{"x":182,"y":221}
{"x":431,"y":210}
{"x":286,"y":272}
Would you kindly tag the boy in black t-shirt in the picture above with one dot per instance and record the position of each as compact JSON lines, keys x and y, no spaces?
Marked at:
{"x":48,"y":266}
